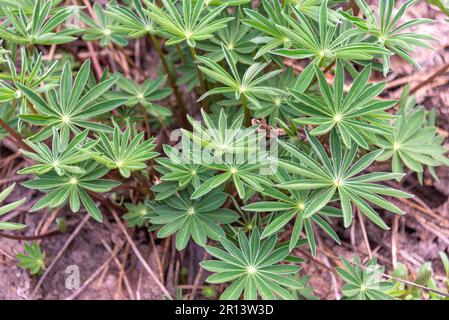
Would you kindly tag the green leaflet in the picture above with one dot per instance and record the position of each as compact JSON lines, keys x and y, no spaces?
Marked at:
{"x":39,"y":27}
{"x":364,"y":282}
{"x":4,"y":209}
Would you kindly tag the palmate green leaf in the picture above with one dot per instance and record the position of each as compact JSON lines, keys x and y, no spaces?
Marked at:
{"x":230,"y":150}
{"x":328,"y":44}
{"x":340,"y":175}
{"x":102,"y":28}
{"x":387,"y":30}
{"x":181,"y":168}
{"x":190,"y":24}
{"x":244,"y":177}
{"x":275,"y":107}
{"x":26,"y":5}
{"x":72,"y":188}
{"x":144,"y":94}
{"x":221,"y":138}
{"x":304,"y":207}
{"x":364,"y":282}
{"x":32,"y":259}
{"x":199,"y":219}
{"x":61,"y":158}
{"x":414,"y":142}
{"x":32,"y":73}
{"x":125,"y":151}
{"x":71,"y":107}
{"x":356,"y":116}
{"x":268,"y":24}
{"x":131,"y":22}
{"x":236,"y":38}
{"x":37,"y":28}
{"x":250,"y":85}
{"x":4,"y":209}
{"x":252,"y":266}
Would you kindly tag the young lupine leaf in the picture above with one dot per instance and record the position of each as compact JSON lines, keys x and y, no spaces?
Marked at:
{"x":222,"y":137}
{"x":230,"y":150}
{"x":73,"y":188}
{"x":423,"y":278}
{"x":101,"y":29}
{"x":275,"y":107}
{"x":198,"y":219}
{"x":70,"y":107}
{"x":327,"y":44}
{"x":190,"y":25}
{"x":180,"y":167}
{"x":252,"y":266}
{"x":5,"y":225}
{"x":387,"y":30}
{"x":39,"y":27}
{"x":144,"y":94}
{"x":355,"y":115}
{"x":294,"y":206}
{"x":305,"y":293}
{"x":26,"y":5}
{"x":124,"y":152}
{"x":414,"y":142}
{"x":131,"y":23}
{"x":250,"y":85}
{"x":268,"y":23}
{"x":32,"y":259}
{"x":364,"y":282}
{"x":33,"y":74}
{"x":242,"y":175}
{"x":339,"y":174}
{"x":236,"y":37}
{"x":61,"y":158}
{"x":139,"y":214}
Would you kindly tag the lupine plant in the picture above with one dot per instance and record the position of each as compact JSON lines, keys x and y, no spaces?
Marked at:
{"x":281,"y":142}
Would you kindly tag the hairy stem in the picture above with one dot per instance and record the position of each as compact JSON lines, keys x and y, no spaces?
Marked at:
{"x":247,"y":115}
{"x":16,"y":136}
{"x":182,"y":112}
{"x":182,"y":56}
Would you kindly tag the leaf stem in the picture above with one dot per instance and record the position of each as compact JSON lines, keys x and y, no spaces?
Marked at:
{"x":181,"y":54}
{"x":16,"y":137}
{"x":182,"y":112}
{"x":30,"y":238}
{"x":246,"y":113}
